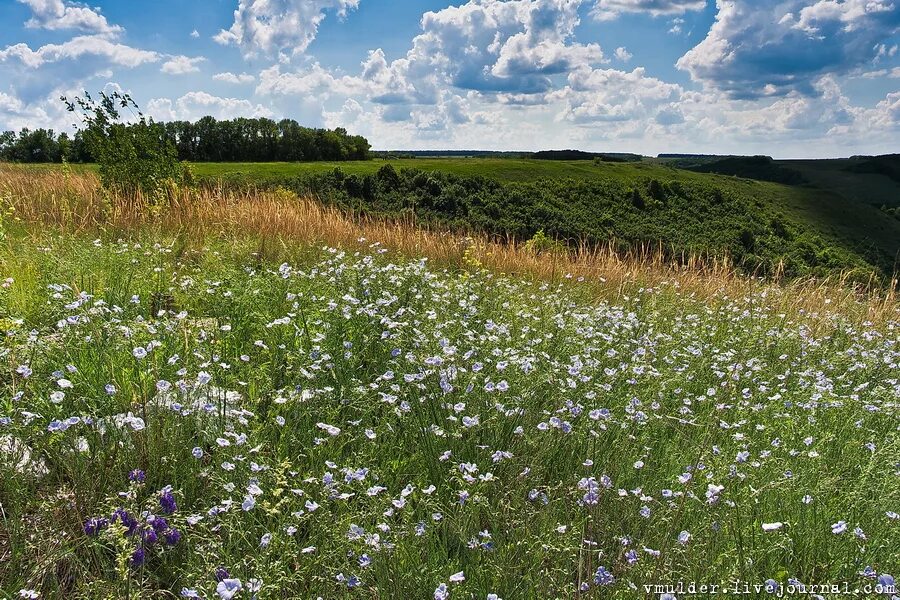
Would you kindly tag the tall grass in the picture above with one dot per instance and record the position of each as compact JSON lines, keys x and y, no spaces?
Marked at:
{"x":74,"y":202}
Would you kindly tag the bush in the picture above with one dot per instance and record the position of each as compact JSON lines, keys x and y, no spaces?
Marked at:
{"x":637,"y":200}
{"x":540,"y":243}
{"x":135,"y":157}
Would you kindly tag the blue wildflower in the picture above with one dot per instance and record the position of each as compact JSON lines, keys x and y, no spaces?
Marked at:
{"x":173,"y":536}
{"x":167,"y":501}
{"x":603,"y":577}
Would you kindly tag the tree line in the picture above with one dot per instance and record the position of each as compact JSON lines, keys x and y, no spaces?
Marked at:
{"x":206,"y":140}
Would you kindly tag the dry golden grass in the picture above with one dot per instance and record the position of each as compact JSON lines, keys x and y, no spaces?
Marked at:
{"x":75,"y":203}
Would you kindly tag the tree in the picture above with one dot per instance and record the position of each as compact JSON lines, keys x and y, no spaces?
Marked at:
{"x":135,"y":157}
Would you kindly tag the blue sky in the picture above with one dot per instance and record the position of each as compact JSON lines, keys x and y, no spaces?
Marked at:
{"x":790,"y":78}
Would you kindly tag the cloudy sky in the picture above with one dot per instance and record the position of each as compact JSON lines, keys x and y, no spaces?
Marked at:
{"x":790,"y":78}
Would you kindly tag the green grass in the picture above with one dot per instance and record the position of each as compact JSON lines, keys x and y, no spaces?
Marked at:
{"x":291,"y":377}
{"x":502,"y":169}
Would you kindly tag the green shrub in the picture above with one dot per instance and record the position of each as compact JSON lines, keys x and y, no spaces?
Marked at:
{"x":698,"y":217}
{"x":135,"y":157}
{"x":540,"y":243}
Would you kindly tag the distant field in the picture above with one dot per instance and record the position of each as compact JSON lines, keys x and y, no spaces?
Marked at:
{"x":507,"y":169}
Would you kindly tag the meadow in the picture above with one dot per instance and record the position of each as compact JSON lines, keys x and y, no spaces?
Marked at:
{"x":247,"y":394}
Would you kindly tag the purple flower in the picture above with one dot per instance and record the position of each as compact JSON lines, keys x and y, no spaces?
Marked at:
{"x":137,"y":476}
{"x":130,"y":523}
{"x":603,"y":577}
{"x":137,"y":557}
{"x":149,"y":536}
{"x":159,"y":524}
{"x":222,"y":574}
{"x":167,"y":501}
{"x":172,"y":537}
{"x":95,"y":525}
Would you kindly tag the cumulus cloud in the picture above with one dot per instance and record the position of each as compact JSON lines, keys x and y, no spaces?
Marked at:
{"x":47,"y":111}
{"x":623,"y":54}
{"x":195,"y":105}
{"x":610,"y":9}
{"x":78,"y":48}
{"x":61,"y":14}
{"x":506,"y":51}
{"x":773,"y":47}
{"x":496,"y":46}
{"x":273,"y":26}
{"x":610,"y":95}
{"x":313,"y":80}
{"x":228,"y":77}
{"x":182,"y":65}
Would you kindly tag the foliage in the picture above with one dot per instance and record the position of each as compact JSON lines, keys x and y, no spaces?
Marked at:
{"x":761,"y":168}
{"x":336,"y":424}
{"x":258,"y":140}
{"x":132,"y":157}
{"x":681,"y":218}
{"x":263,"y":140}
{"x":887,"y":165}
{"x":37,"y":146}
{"x":540,"y":243}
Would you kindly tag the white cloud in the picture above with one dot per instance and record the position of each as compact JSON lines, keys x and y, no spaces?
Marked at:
{"x":182,"y":65}
{"x":195,"y":105}
{"x":229,"y":77}
{"x":77,"y":48}
{"x":496,"y":46}
{"x":610,"y":9}
{"x":60,"y":14}
{"x":46,"y":112}
{"x":676,"y":26}
{"x":623,"y":54}
{"x":773,"y":47}
{"x":314,"y":80}
{"x":504,"y":49}
{"x":274,"y":26}
{"x":195,"y":34}
{"x":609,"y":95}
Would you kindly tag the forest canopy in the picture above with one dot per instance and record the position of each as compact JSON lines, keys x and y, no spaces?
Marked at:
{"x":206,"y":140}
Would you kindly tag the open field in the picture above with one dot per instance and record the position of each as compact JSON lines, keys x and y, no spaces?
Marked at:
{"x":247,"y":389}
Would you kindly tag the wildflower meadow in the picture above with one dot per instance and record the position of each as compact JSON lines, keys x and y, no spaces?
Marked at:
{"x":205,"y":422}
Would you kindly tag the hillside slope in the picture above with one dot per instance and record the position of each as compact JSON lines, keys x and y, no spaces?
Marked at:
{"x":761,"y":224}
{"x":838,"y":220}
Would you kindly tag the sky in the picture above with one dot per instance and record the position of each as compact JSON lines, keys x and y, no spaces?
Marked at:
{"x":787,"y":78}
